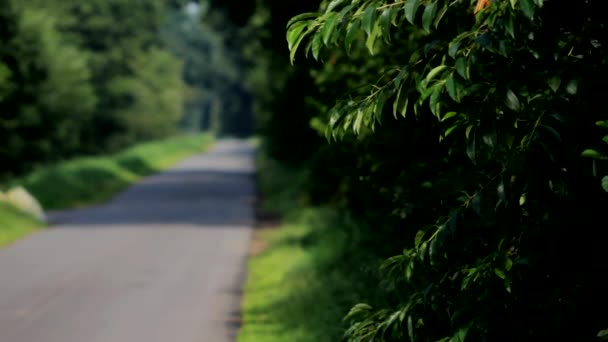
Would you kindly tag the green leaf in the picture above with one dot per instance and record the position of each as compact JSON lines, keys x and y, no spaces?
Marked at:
{"x":409,"y":270}
{"x":436,"y":70}
{"x":603,"y":124}
{"x":449,"y":130}
{"x":344,"y":11}
{"x":449,"y":115}
{"x":461,"y":334}
{"x":333,"y":5}
{"x":410,"y":327}
{"x":500,"y":273}
{"x":605,"y":183}
{"x":350,"y":34}
{"x":509,"y":26}
{"x":358,"y":121}
{"x":508,"y":264}
{"x":403,"y":110}
{"x":572,"y":87}
{"x":357,"y":310}
{"x":527,"y":6}
{"x":512,"y":101}
{"x":370,"y":43}
{"x":523,"y":198}
{"x":500,"y":189}
{"x":396,"y":104}
{"x":589,"y":153}
{"x":369,"y":17}
{"x":380,"y":102}
{"x":554,"y":83}
{"x":476,"y":203}
{"x":296,"y":38}
{"x":450,"y":85}
{"x":328,"y":27}
{"x":419,"y":237}
{"x":454,"y":46}
{"x":471,"y":152}
{"x":294,"y":33}
{"x":422,"y":251}
{"x":603,"y":333}
{"x":468,"y":131}
{"x":461,"y":67}
{"x":385,"y":23}
{"x":410,"y":8}
{"x":440,"y":15}
{"x":432,"y":250}
{"x":303,"y":16}
{"x":388,"y":323}
{"x":428,"y":16}
{"x":434,"y":100}
{"x":316,"y":46}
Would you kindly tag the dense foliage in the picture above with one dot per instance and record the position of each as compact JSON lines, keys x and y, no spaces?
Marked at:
{"x":91,"y":77}
{"x":39,"y":116}
{"x":467,"y":135}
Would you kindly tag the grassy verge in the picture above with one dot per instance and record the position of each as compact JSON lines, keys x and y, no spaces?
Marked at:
{"x":86,"y":181}
{"x":308,"y":273}
{"x":14,"y":224}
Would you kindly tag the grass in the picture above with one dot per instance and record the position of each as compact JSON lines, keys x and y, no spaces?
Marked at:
{"x":14,"y":224}
{"x":309,"y":273}
{"x":86,"y":181}
{"x":288,"y":295}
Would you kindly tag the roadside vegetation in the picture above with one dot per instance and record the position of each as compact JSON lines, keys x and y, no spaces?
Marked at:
{"x":15,"y":224}
{"x":464,"y":142}
{"x":95,"y":95}
{"x":91,"y":180}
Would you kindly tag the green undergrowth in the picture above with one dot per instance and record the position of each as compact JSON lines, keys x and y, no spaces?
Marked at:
{"x":302,"y":284}
{"x":14,"y":224}
{"x":92,"y":180}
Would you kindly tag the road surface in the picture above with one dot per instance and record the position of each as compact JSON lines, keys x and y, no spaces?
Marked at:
{"x":162,"y":262}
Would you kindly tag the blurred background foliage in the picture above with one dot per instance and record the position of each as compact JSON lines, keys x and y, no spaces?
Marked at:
{"x":94,"y":77}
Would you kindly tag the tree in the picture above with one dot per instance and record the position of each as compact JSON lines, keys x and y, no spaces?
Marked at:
{"x":467,"y":128}
{"x":39,"y":122}
{"x":116,"y":34}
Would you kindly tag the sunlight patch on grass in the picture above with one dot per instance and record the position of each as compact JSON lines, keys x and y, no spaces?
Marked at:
{"x":15,"y":224}
{"x":86,"y":181}
{"x":92,"y":180}
{"x":289,"y":294}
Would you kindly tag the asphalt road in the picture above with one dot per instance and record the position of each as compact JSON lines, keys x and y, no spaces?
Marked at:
{"x":163,"y":262}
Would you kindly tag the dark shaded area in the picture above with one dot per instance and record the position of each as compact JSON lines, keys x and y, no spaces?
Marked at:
{"x":488,"y":212}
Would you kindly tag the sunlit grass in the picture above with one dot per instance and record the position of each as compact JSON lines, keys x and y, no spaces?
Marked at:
{"x":93,"y":180}
{"x":289,"y":294}
{"x":15,"y":224}
{"x":302,"y":284}
{"x":86,"y":181}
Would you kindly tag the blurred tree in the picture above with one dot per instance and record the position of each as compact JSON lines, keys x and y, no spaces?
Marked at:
{"x":115,"y":34}
{"x":212,"y":69}
{"x":39,"y":119}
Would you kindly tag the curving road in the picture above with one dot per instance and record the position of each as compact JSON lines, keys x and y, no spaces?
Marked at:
{"x":162,"y":262}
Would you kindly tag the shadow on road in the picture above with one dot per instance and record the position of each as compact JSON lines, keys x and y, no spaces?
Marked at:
{"x":201,"y":192}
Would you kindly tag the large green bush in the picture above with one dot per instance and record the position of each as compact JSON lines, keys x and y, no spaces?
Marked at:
{"x":471,"y":131}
